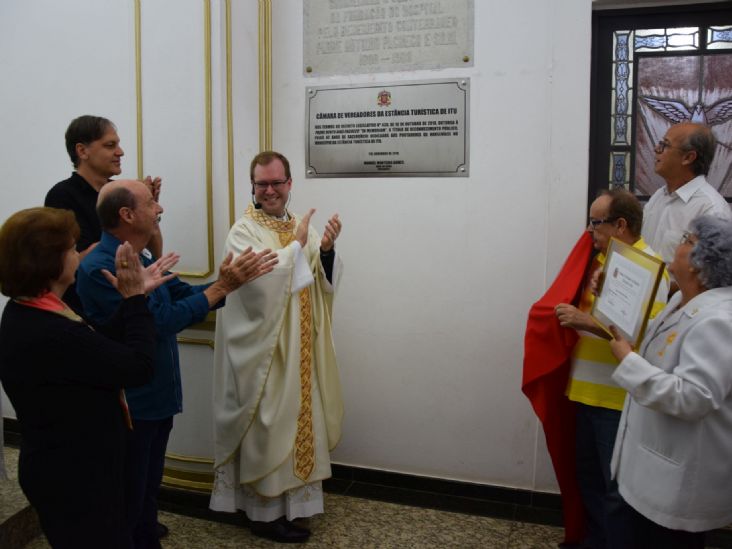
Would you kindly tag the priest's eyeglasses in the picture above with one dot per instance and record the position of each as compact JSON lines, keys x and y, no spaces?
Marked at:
{"x":262,"y":185}
{"x":595,"y":223}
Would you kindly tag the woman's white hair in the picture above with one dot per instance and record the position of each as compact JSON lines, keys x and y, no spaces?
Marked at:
{"x":712,"y":253}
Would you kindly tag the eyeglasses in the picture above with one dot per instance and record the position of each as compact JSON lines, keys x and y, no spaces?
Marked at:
{"x":595,"y":223}
{"x":688,"y":238}
{"x":663,"y":145}
{"x":262,"y":185}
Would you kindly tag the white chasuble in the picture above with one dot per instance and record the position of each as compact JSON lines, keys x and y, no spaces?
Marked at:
{"x":277,"y":403}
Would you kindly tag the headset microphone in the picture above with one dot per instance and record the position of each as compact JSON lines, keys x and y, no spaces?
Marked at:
{"x":257,"y":205}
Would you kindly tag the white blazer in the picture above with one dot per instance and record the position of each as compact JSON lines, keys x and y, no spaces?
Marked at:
{"x":673,"y":451}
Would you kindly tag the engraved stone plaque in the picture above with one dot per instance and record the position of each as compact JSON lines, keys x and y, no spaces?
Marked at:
{"x":404,"y":129}
{"x":356,"y":36}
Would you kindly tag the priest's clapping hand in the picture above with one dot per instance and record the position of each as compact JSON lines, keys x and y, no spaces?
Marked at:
{"x":332,"y":230}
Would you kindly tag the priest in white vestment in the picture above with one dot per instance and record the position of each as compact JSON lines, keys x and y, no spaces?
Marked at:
{"x":277,"y":395}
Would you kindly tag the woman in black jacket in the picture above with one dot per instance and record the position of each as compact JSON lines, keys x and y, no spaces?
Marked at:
{"x":66,"y":381}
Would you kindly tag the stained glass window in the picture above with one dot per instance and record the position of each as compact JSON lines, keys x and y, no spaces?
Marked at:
{"x":620,"y":170}
{"x":685,"y":38}
{"x":719,"y":38}
{"x":686,"y":88}
{"x":621,"y":90}
{"x":661,"y":76}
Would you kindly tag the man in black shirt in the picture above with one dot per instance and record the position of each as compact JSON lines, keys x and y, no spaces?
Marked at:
{"x":93,"y":146}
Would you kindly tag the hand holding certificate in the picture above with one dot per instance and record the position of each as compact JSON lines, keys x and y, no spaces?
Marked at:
{"x":630,"y":280}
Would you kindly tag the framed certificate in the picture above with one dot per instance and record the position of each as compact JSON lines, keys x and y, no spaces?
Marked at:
{"x":630,"y":280}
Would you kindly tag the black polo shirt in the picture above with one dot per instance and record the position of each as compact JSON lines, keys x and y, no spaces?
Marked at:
{"x":77,"y":195}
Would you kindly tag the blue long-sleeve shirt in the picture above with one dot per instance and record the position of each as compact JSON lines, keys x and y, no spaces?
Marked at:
{"x":175,"y":305}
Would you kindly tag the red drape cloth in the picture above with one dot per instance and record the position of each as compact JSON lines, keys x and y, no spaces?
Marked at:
{"x":547,"y":352}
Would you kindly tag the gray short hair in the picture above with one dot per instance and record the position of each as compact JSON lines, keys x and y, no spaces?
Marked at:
{"x":712,"y":253}
{"x":703,"y":142}
{"x":624,"y":204}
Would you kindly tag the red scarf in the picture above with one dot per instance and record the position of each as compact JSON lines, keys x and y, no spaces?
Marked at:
{"x":547,"y":353}
{"x":52,"y":303}
{"x":48,"y":302}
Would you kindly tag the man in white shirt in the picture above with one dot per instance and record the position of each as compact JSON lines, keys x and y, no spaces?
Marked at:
{"x":683,"y":158}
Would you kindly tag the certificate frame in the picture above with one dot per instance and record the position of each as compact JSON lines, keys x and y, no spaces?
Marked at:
{"x":630,"y":280}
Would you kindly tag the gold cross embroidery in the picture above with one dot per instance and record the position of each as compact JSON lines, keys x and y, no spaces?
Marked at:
{"x":304,"y":451}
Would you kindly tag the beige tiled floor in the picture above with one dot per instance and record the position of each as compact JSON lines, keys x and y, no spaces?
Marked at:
{"x":354,"y":523}
{"x":359,"y":524}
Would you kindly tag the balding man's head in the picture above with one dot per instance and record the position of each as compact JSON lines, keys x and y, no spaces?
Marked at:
{"x":686,"y":149}
{"x":116,"y":195}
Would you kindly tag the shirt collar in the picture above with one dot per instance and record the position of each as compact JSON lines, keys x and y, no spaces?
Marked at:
{"x":686,"y":190}
{"x":639,"y":244}
{"x":109,"y":241}
{"x":707,"y":298}
{"x":82,"y":184}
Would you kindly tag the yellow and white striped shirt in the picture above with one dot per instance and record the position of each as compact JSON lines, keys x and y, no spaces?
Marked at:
{"x":593,"y":363}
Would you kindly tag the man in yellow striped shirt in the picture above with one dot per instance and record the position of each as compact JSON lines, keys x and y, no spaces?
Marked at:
{"x":599,"y":401}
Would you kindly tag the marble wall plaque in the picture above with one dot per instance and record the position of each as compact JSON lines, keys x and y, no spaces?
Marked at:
{"x":418,"y":128}
{"x":357,"y":36}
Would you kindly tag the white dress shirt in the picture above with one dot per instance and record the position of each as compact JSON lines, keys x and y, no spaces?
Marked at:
{"x":667,"y":215}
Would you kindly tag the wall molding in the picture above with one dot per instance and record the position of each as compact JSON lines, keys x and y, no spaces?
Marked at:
{"x":229,"y":115}
{"x":196,"y":341}
{"x":265,"y":75}
{"x":210,"y":269}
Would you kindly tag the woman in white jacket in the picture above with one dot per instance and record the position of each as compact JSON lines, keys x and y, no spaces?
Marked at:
{"x":673,"y":451}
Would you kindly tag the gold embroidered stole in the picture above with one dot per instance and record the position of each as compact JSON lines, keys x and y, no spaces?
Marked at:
{"x":304,"y":452}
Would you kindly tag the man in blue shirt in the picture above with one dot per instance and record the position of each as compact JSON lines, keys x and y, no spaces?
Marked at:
{"x":128,"y":212}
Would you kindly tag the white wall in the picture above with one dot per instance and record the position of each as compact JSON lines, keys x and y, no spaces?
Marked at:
{"x":440,"y":272}
{"x":59,"y":60}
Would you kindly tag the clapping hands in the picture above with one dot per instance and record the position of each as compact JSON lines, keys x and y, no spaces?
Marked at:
{"x":131,"y":278}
